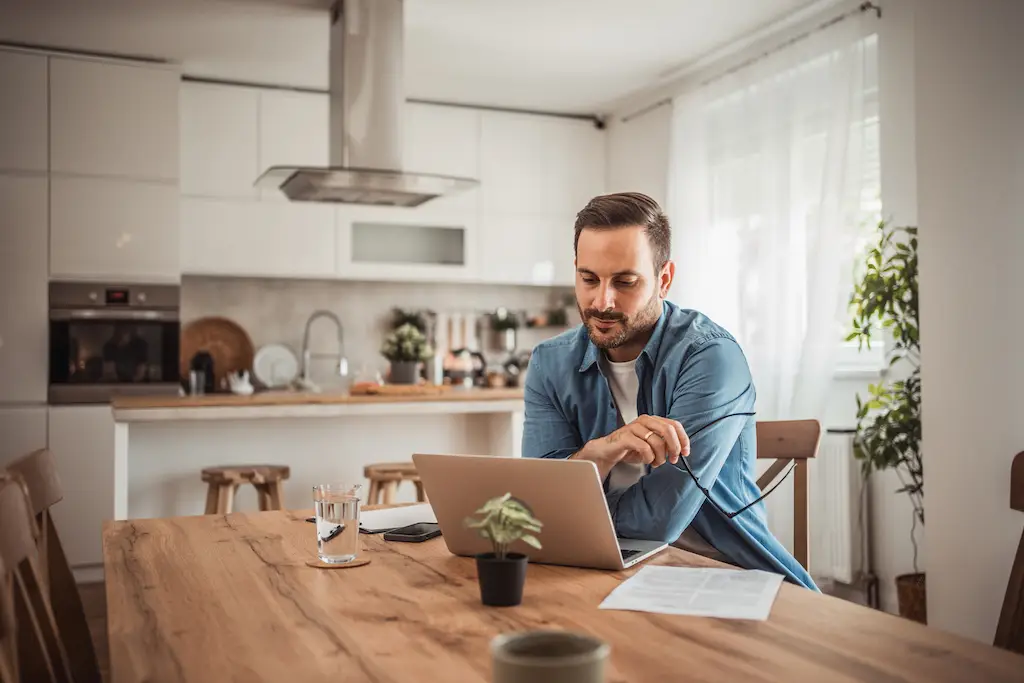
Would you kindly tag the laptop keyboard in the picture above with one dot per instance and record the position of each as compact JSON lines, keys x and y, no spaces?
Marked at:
{"x":626,"y":554}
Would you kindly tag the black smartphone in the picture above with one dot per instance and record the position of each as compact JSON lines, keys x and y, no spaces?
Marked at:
{"x":414,"y":533}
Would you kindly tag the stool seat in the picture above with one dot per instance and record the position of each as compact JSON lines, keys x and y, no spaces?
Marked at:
{"x":386,"y":476}
{"x":223,"y":482}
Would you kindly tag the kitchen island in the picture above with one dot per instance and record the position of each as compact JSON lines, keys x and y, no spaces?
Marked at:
{"x":163,"y":443}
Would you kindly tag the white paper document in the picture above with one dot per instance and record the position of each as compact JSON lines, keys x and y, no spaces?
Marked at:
{"x":379,"y":521}
{"x":722,"y":593}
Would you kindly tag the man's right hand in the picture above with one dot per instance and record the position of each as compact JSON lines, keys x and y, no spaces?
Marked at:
{"x":646,"y":440}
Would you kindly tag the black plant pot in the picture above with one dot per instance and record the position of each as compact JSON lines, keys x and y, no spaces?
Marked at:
{"x":501,"y":581}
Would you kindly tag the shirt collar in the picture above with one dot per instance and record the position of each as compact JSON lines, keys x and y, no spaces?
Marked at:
{"x":650,"y":349}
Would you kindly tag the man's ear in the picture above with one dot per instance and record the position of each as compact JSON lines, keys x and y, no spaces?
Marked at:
{"x":668,"y":274}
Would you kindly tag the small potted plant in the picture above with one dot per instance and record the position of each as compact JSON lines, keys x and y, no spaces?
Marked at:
{"x":406,"y":347}
{"x":501,"y":574}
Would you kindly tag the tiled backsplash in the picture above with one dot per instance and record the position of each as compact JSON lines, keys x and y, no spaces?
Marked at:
{"x":275,"y":311}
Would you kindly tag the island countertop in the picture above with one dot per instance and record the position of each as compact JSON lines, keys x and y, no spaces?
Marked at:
{"x":307,"y":404}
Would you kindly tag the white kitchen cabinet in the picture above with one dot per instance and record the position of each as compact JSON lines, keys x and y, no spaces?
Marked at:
{"x":246,"y":238}
{"x":82,"y":441}
{"x":512,"y":153}
{"x":23,"y":289}
{"x":103,"y":228}
{"x":23,"y":112}
{"x":219,"y":140}
{"x":519,"y":249}
{"x":376,"y":243}
{"x":293,"y":131}
{"x":113,"y":119}
{"x":537,"y":172}
{"x":574,"y":165}
{"x":23,"y":429}
{"x":444,"y":141}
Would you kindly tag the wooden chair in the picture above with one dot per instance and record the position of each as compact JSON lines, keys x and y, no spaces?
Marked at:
{"x":386,"y":476}
{"x":31,"y":646}
{"x":223,"y":482}
{"x":38,"y":470}
{"x":1010,"y":631}
{"x":788,"y":441}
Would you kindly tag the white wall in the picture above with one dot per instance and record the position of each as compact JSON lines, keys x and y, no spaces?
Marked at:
{"x":892,"y":514}
{"x":970,"y":185}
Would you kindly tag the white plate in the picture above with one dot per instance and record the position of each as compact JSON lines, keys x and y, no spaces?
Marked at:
{"x":275,"y":366}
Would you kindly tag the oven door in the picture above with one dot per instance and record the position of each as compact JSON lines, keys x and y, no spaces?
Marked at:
{"x":97,"y":354}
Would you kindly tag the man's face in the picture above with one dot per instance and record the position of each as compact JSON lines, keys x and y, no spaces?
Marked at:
{"x":618,"y":292}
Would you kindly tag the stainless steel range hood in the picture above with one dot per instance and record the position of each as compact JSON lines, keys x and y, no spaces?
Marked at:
{"x":367,"y":101}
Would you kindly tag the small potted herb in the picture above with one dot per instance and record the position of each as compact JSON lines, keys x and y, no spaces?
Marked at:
{"x":501,"y":574}
{"x":406,"y":347}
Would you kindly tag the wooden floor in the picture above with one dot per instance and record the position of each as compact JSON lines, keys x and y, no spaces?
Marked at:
{"x":94,"y":604}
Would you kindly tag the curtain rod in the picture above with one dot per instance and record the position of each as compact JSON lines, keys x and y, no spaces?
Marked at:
{"x":863,"y":7}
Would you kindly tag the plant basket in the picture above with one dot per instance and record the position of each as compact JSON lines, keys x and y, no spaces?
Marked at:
{"x":501,"y":580}
{"x":912,"y":597}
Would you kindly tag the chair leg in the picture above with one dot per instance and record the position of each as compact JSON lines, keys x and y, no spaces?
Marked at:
{"x":390,"y":489}
{"x":1010,"y":631}
{"x":211,"y":499}
{"x":225,"y":499}
{"x":801,"y":530}
{"x":276,"y":493}
{"x":69,"y":612}
{"x":374,"y":494}
{"x":421,"y":494}
{"x":262,"y":497}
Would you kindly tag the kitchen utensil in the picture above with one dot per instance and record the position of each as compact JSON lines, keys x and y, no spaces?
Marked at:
{"x":200,"y":374}
{"x":275,"y":366}
{"x":224,"y":340}
{"x":239,"y":383}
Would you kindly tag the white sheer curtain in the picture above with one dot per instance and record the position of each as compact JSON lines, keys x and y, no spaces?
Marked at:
{"x":766,"y":181}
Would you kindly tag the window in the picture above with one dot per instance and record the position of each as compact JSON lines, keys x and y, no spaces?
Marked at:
{"x":775,"y":192}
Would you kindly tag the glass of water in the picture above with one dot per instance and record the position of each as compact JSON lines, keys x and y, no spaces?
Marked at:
{"x":336,"y":510}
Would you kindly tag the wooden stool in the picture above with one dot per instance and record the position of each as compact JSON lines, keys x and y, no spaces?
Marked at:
{"x":386,"y":476}
{"x":224,"y":482}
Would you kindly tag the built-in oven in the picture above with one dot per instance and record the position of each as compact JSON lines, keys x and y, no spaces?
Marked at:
{"x":110,"y":340}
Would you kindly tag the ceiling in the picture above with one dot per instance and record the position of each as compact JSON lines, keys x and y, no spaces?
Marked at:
{"x":555,"y":55}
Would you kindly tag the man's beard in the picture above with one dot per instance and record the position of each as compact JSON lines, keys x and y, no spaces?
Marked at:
{"x":629,"y":328}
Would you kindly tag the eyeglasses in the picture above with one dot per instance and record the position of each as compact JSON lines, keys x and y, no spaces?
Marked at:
{"x":707,"y":494}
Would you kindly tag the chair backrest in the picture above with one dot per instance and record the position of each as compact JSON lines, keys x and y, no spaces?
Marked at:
{"x":38,"y":470}
{"x":37,"y":653}
{"x":1010,"y":630}
{"x":787,"y":441}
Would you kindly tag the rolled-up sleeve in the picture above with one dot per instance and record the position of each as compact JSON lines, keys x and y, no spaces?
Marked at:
{"x":714,"y":383}
{"x":546,"y":431}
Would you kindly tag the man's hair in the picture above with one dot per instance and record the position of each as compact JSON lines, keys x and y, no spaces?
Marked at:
{"x":626,"y":209}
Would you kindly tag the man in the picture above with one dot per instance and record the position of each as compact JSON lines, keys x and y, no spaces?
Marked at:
{"x":623,"y":389}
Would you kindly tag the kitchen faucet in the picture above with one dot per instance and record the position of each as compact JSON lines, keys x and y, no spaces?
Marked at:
{"x":307,"y":355}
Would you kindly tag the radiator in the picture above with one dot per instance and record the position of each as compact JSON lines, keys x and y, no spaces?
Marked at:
{"x":836,"y":509}
{"x":834,"y":502}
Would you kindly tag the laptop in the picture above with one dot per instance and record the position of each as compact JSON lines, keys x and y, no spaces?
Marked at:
{"x":565,"y":495}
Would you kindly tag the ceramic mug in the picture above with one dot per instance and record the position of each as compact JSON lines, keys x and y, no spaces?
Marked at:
{"x":548,"y":657}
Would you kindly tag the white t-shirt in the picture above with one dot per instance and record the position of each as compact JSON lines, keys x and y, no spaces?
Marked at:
{"x":625,"y":386}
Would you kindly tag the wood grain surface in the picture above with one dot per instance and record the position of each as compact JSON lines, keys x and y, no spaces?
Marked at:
{"x":230,"y":598}
{"x":283,"y":398}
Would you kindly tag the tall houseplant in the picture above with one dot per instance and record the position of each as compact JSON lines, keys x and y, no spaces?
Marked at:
{"x":501,"y":574}
{"x":889,"y":419}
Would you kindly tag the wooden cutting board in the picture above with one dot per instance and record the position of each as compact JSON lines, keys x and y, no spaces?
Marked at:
{"x":398,"y":389}
{"x":224,"y":339}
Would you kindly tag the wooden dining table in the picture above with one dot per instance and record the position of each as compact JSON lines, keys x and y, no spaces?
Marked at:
{"x":231,"y":598}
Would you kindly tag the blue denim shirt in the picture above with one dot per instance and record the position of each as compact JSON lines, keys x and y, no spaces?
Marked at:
{"x":692,"y":371}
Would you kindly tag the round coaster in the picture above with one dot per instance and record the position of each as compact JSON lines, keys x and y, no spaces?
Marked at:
{"x":319,"y":564}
